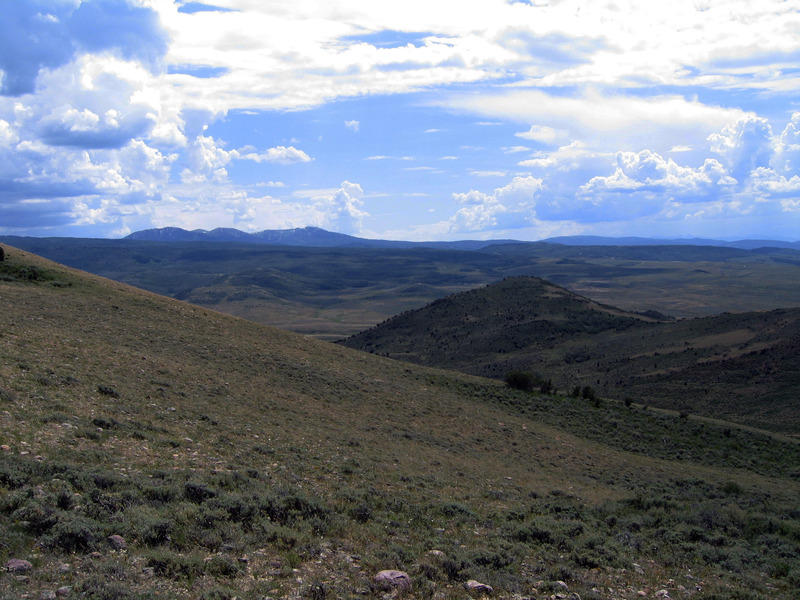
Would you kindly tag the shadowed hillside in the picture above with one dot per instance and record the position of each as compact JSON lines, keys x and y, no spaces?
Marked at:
{"x":741,"y":367}
{"x":236,"y":460}
{"x":335,"y":292}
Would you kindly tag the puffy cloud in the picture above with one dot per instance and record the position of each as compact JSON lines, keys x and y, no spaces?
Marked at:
{"x":509,"y":207}
{"x":280,"y":154}
{"x":566,"y":158}
{"x":341,"y":212}
{"x":787,"y":153}
{"x":8,"y":137}
{"x":354,"y":125}
{"x":473,"y":197}
{"x":744,"y":146}
{"x":481,"y":217}
{"x":646,"y":170}
{"x":767,"y":183}
{"x":207,"y":161}
{"x":543,"y":134}
{"x":44,"y":34}
{"x":68,"y":126}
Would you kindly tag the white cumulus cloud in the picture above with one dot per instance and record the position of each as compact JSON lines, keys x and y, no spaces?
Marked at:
{"x":510,"y":207}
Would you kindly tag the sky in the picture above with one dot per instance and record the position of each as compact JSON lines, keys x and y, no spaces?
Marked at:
{"x":414,"y":120}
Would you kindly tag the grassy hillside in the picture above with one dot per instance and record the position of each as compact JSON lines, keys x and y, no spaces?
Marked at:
{"x":334,"y":292}
{"x":241,"y":461}
{"x":741,"y":367}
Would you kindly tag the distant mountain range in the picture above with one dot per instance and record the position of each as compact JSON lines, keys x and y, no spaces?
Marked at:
{"x":594,"y":240}
{"x":313,"y":237}
{"x":320,"y":238}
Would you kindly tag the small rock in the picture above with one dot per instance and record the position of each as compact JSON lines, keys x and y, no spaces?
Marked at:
{"x":573,"y":596}
{"x":5,"y":447}
{"x":96,"y":555}
{"x":477,"y":586}
{"x":560,"y":586}
{"x":117,"y":542}
{"x":48,"y":595}
{"x":64,"y":592}
{"x":149,"y":572}
{"x":17,"y":565}
{"x":662,"y":594}
{"x":64,"y":569}
{"x":389,"y":579}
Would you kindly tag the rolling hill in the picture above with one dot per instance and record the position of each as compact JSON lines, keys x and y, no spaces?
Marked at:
{"x":335,"y":292}
{"x":742,"y":367}
{"x":238,"y":460}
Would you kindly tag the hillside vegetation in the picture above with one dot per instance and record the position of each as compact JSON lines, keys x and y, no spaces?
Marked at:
{"x":335,"y":292}
{"x":237,"y":460}
{"x":741,"y":367}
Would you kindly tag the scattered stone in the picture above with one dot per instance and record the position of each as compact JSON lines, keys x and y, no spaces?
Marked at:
{"x":64,"y":569}
{"x":64,"y":592}
{"x":560,"y":586}
{"x":662,"y":594}
{"x":117,"y":542}
{"x":573,"y":596}
{"x":390,"y":579}
{"x":17,"y":565}
{"x":149,"y":572}
{"x":477,"y":586}
{"x":95,"y":555}
{"x":5,"y":448}
{"x":48,"y":595}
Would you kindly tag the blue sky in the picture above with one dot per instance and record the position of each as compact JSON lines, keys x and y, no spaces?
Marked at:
{"x":420,"y":120}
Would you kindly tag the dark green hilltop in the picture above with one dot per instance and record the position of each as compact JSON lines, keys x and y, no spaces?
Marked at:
{"x":742,"y":367}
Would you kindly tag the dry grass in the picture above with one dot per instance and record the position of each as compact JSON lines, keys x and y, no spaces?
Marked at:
{"x":106,"y":385}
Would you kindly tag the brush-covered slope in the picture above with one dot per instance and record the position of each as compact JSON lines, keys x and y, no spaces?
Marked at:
{"x":332,"y":293}
{"x":241,"y":461}
{"x":741,"y":367}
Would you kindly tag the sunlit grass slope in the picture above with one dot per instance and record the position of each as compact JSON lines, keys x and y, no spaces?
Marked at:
{"x":241,"y":461}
